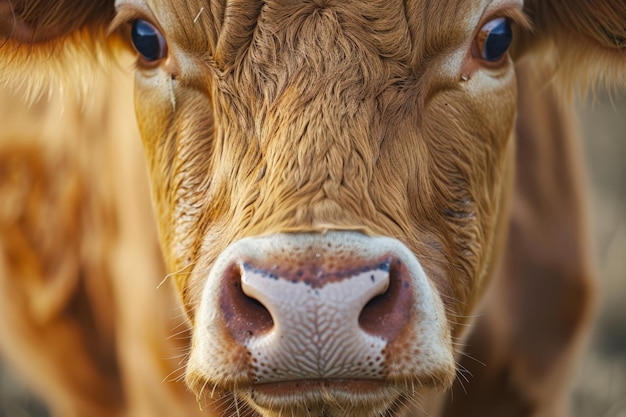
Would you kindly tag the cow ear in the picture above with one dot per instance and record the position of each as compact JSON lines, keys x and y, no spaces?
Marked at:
{"x":36,"y":21}
{"x":582,"y":41}
{"x":47,"y":42}
{"x":39,"y":230}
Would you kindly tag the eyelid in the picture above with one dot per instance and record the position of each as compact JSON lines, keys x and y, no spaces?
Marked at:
{"x":128,"y":13}
{"x":510,"y":11}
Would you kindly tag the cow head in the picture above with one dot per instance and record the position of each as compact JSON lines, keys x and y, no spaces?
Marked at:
{"x":330,"y":179}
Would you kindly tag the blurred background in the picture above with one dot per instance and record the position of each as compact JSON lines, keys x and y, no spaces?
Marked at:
{"x":601,"y":383}
{"x":600,"y":387}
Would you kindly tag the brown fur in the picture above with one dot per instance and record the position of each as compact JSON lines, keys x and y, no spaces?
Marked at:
{"x":295,"y":116}
{"x":536,"y":314}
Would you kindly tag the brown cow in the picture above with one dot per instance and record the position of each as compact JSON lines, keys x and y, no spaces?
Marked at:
{"x":333,"y":182}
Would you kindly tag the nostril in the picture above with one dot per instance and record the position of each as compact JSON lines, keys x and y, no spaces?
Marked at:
{"x":244,"y":316}
{"x":386,"y":314}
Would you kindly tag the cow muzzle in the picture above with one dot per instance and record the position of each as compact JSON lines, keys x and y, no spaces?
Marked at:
{"x":294,"y":320}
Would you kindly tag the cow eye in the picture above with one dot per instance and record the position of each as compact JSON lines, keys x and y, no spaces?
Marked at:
{"x":494,"y":39}
{"x":148,"y":41}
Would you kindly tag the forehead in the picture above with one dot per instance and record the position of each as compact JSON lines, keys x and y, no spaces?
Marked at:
{"x":186,"y":19}
{"x":324,"y":3}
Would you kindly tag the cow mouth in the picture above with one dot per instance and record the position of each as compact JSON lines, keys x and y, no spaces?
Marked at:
{"x":319,"y":397}
{"x":325,"y":398}
{"x":290,"y":388}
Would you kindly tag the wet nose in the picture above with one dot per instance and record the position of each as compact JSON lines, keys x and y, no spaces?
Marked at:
{"x":315,"y":312}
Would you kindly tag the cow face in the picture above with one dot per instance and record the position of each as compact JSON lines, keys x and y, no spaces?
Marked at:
{"x":330,"y":177}
{"x":329,"y":181}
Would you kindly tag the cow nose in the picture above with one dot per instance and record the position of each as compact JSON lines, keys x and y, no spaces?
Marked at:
{"x":315,"y":312}
{"x":327,"y":310}
{"x":358,"y":298}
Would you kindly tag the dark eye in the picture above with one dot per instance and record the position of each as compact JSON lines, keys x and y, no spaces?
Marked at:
{"x":494,"y":39}
{"x":148,"y":41}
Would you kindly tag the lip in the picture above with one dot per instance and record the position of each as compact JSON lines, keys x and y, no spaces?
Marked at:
{"x":367,"y":393}
{"x":363,"y":386}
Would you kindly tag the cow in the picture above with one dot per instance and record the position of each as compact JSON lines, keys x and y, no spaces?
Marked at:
{"x":357,"y":203}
